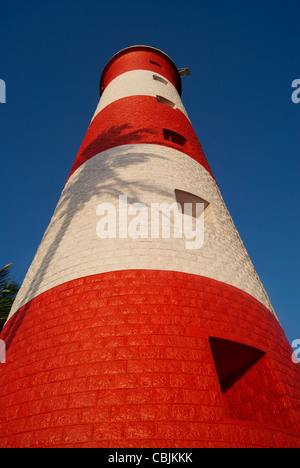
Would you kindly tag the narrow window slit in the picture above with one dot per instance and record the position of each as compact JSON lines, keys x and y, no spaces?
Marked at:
{"x":155,"y":63}
{"x":174,"y":137}
{"x":160,"y":79}
{"x":166,"y":101}
{"x":190,"y":204}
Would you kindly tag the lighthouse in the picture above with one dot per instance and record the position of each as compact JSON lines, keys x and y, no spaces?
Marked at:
{"x":141,"y":321}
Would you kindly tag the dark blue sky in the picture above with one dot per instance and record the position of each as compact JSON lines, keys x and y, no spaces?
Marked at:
{"x":243,"y":57}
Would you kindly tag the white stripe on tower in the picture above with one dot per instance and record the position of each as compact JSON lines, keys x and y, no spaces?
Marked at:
{"x":148,"y":174}
{"x":140,"y":83}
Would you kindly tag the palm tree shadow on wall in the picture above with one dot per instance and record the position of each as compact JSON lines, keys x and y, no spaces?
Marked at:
{"x":70,"y":204}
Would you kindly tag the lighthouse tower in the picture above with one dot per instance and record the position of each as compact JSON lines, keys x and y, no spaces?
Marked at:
{"x":131,"y":330}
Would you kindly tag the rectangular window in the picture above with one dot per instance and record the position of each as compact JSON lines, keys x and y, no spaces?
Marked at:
{"x":192,"y":209}
{"x":160,"y":79}
{"x":165,"y":101}
{"x":155,"y":63}
{"x":174,"y":137}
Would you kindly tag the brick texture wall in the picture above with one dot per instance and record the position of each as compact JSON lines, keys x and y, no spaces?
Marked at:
{"x":122,"y":359}
{"x":139,"y":83}
{"x":145,"y":173}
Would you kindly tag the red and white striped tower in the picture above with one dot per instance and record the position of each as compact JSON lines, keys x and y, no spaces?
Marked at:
{"x":143,"y":342}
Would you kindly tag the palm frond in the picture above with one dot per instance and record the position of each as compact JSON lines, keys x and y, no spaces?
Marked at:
{"x":8,"y":291}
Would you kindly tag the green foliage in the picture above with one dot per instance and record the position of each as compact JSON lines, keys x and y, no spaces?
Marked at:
{"x":8,"y":292}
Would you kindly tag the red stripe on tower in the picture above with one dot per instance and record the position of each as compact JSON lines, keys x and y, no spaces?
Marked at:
{"x":140,"y":340}
{"x":140,"y":58}
{"x":130,"y":121}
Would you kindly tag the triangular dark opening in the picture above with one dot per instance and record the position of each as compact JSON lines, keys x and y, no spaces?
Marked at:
{"x":232,"y":360}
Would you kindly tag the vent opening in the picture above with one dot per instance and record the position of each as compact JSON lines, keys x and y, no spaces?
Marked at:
{"x":165,"y":101}
{"x":155,"y":63}
{"x":174,"y":137}
{"x":194,"y":208}
{"x":160,"y":79}
{"x":232,"y":360}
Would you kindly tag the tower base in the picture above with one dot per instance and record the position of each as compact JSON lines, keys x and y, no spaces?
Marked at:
{"x":134,"y":364}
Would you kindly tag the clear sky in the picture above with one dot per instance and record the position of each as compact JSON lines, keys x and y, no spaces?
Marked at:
{"x":243,"y":58}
